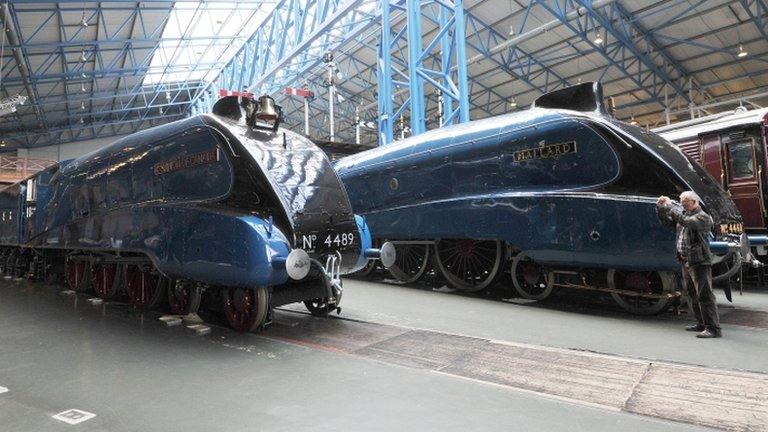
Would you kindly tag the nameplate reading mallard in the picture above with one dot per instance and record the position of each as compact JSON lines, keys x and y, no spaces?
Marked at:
{"x":545,"y":152}
{"x":187,"y":161}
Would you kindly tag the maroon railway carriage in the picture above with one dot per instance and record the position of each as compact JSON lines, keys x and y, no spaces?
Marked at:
{"x":731,"y":147}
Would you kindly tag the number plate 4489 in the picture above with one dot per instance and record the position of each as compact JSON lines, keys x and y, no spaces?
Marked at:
{"x":327,"y":241}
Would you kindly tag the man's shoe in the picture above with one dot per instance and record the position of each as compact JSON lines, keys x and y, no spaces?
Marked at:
{"x":706,"y":334}
{"x":696,"y":328}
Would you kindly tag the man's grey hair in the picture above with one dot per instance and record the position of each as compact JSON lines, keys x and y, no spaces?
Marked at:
{"x":691,"y":195}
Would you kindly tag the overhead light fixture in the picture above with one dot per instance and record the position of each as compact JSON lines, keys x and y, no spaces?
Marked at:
{"x":81,"y":121}
{"x":598,"y":38}
{"x":82,"y":105}
{"x":167,"y":96}
{"x":633,"y":122}
{"x":741,"y":53}
{"x":82,"y":87}
{"x":83,"y":58}
{"x":2,"y":143}
{"x":511,"y":30}
{"x":83,"y":21}
{"x":513,"y":103}
{"x":84,"y":75}
{"x":9,"y":106}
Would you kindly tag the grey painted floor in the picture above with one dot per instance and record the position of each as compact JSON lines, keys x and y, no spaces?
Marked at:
{"x":593,"y":326}
{"x":58,"y":353}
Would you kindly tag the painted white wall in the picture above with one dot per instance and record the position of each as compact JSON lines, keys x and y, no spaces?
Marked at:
{"x":66,"y":151}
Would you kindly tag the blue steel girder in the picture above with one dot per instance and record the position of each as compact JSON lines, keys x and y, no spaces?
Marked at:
{"x":492,"y":38}
{"x":36,"y":43}
{"x":670,"y":19}
{"x":321,"y":26}
{"x":304,"y":29}
{"x":80,"y":132}
{"x":487,"y":43}
{"x":102,"y":75}
{"x":647,"y":43}
{"x":367,"y":72}
{"x":171,"y":67}
{"x":758,"y":13}
{"x":636,"y":65}
{"x":25,"y":68}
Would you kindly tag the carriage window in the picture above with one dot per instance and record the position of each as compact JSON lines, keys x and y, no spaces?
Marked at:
{"x":742,"y":165}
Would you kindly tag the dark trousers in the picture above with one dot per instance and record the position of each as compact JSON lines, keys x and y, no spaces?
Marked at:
{"x":697,"y":282}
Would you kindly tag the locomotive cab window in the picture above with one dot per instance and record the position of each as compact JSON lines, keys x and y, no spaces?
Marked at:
{"x":741,"y":160}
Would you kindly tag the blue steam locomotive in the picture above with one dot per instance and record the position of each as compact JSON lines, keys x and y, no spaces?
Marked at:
{"x":561,"y":194}
{"x":226,"y":204}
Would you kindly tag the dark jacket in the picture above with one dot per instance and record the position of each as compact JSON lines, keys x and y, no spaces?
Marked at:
{"x":695,"y":228}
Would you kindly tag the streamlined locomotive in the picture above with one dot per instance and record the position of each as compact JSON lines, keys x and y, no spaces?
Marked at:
{"x":226,"y":204}
{"x":561,"y":194}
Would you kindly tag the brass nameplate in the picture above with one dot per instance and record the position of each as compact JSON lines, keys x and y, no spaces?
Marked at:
{"x":545,"y":152}
{"x":187,"y":161}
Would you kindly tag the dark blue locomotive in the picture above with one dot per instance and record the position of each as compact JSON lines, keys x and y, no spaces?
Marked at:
{"x":226,"y":204}
{"x":560,"y":195}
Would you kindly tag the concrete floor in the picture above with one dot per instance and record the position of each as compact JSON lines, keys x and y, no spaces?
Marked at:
{"x":59,"y":352}
{"x":570,"y":319}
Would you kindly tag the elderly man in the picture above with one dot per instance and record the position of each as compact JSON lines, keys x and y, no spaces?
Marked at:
{"x":693,"y":229}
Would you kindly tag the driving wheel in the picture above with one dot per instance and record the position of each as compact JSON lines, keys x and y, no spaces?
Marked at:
{"x":467,"y":264}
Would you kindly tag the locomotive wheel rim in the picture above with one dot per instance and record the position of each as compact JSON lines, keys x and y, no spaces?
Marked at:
{"x":318,"y":307}
{"x":523,"y":269}
{"x":469,"y":265}
{"x":643,"y":282}
{"x":104,"y":277}
{"x":76,"y":275}
{"x":184,"y":297}
{"x":246,"y":308}
{"x":411,"y":262}
{"x":144,"y":289}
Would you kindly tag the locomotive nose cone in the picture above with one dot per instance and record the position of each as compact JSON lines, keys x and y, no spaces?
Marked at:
{"x":387,"y":255}
{"x":297,"y":264}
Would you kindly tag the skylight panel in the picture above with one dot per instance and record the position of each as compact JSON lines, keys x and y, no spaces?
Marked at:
{"x":201,"y":37}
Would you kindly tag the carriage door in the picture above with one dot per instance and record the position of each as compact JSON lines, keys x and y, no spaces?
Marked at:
{"x":743,"y":180}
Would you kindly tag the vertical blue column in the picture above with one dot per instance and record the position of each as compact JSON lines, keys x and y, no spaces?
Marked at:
{"x":445,"y":70}
{"x":416,"y":83}
{"x":461,"y":59}
{"x":384,"y":66}
{"x":446,"y":51}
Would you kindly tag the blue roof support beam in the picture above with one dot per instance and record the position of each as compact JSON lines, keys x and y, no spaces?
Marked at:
{"x":758,"y":13}
{"x":626,"y":57}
